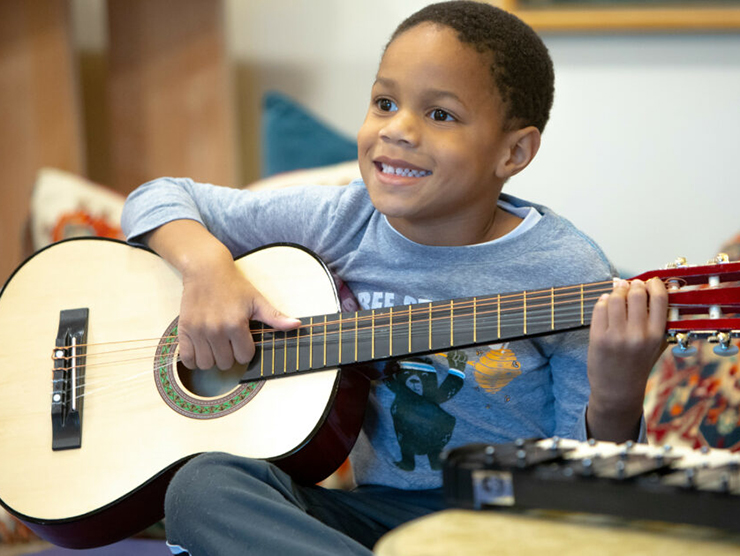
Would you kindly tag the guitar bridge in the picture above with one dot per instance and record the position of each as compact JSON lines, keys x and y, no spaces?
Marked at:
{"x":68,"y":382}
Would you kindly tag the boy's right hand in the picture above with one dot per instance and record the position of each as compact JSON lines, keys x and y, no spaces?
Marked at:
{"x":217,"y":305}
{"x":217,"y":302}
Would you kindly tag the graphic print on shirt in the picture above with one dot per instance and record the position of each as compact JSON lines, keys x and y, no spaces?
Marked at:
{"x":422,"y":427}
{"x":496,"y":368}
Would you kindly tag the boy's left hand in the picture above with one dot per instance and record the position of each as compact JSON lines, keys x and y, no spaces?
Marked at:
{"x":627,"y":337}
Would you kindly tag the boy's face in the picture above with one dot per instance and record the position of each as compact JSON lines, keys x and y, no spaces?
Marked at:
{"x":433,"y":138}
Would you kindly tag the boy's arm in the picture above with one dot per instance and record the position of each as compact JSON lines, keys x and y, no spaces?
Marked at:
{"x":217,"y":302}
{"x":627,"y":336}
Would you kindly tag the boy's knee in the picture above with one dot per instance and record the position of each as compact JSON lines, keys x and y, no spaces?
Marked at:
{"x":204,"y":479}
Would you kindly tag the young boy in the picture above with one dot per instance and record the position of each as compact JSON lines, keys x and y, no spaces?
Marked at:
{"x":458,"y":106}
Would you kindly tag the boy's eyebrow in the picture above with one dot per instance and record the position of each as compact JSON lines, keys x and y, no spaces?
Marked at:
{"x":431,"y":93}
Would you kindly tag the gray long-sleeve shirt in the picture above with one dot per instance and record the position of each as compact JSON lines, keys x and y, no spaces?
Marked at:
{"x":491,"y":393}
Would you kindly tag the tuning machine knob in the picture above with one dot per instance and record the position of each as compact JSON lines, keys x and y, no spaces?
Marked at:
{"x":724,"y":346}
{"x":682,"y":347}
{"x":721,"y":258}
{"x":680,"y":262}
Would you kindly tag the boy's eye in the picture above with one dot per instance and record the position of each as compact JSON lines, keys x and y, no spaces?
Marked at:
{"x":386,"y":105}
{"x":439,"y":115}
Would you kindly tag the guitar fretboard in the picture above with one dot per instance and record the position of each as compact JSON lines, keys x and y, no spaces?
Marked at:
{"x":329,"y":341}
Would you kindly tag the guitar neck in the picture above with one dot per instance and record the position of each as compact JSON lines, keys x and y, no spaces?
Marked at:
{"x":328,"y":341}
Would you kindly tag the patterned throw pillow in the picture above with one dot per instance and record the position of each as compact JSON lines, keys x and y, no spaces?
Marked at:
{"x":695,"y":401}
{"x":65,"y":205}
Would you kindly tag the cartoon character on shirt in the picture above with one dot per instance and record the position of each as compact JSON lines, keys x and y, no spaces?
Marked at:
{"x":422,"y":427}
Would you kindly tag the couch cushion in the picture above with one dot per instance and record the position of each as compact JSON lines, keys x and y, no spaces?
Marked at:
{"x":293,"y":138}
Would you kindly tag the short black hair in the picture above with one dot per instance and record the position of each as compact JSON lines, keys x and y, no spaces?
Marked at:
{"x":522,"y":68}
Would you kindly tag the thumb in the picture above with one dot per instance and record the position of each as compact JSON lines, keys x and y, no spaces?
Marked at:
{"x":265,"y":312}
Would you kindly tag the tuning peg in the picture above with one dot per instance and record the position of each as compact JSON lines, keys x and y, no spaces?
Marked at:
{"x":724,"y":346}
{"x":682,"y":347}
{"x":719,"y":259}
{"x":679,"y":262}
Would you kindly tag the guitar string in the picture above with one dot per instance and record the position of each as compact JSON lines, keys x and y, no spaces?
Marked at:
{"x":106,"y":385}
{"x":412,"y":310}
{"x":113,"y":388}
{"x":350,"y":321}
{"x":146,"y":375}
{"x":382,"y":331}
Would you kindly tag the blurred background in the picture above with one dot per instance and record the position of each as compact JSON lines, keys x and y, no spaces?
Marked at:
{"x":641,"y":151}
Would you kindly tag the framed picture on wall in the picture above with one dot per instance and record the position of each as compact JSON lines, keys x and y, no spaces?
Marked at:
{"x":628,"y":15}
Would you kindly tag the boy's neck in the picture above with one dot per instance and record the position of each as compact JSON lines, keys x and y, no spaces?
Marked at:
{"x":499,"y":224}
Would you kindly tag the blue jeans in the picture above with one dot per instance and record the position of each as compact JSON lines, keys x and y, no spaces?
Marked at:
{"x":219,"y":504}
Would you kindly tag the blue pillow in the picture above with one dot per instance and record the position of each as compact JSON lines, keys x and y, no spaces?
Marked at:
{"x":294,"y":139}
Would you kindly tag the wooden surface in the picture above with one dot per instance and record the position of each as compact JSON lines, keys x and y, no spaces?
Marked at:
{"x":599,"y":17}
{"x":167,"y":111}
{"x":169,"y":92}
{"x":470,"y":533}
{"x":39,"y":110}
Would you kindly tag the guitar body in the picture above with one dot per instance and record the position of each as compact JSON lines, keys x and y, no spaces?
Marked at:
{"x":141,"y":416}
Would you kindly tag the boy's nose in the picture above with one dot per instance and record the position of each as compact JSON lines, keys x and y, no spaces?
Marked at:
{"x":402,"y":128}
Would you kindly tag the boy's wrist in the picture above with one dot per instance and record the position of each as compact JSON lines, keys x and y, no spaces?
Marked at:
{"x":612,"y":419}
{"x":197,"y":261}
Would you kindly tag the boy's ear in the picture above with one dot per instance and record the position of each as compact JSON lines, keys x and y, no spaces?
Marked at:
{"x":520,"y":148}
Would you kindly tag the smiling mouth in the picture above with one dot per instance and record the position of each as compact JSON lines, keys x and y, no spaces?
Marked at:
{"x":401,"y":171}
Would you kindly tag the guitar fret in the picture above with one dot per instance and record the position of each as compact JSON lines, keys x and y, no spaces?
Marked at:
{"x":409,"y":329}
{"x":430,"y":325}
{"x":285,"y":353}
{"x":390,"y":331}
{"x":325,"y":338}
{"x":475,"y":320}
{"x":582,"y":310}
{"x":297,"y":349}
{"x":552,"y":308}
{"x":364,"y":336}
{"x":441,"y":330}
{"x":310,"y":343}
{"x":498,"y":314}
{"x":262,"y":356}
{"x":524,"y":302}
{"x":452,"y":323}
{"x":272,"y":370}
{"x":372,"y":332}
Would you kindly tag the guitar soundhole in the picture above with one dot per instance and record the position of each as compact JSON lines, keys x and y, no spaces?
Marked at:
{"x":208,"y":383}
{"x":200,"y":394}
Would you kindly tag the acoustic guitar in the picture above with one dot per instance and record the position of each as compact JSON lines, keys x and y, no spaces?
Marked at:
{"x":96,"y":412}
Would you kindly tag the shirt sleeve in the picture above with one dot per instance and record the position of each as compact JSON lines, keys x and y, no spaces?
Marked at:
{"x":567,"y":355}
{"x":571,"y":388}
{"x":241,"y":219}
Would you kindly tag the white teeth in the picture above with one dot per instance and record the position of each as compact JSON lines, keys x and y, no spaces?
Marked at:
{"x":408,"y":172}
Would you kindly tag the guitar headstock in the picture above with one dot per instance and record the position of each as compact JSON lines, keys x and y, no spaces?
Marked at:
{"x":704,"y":302}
